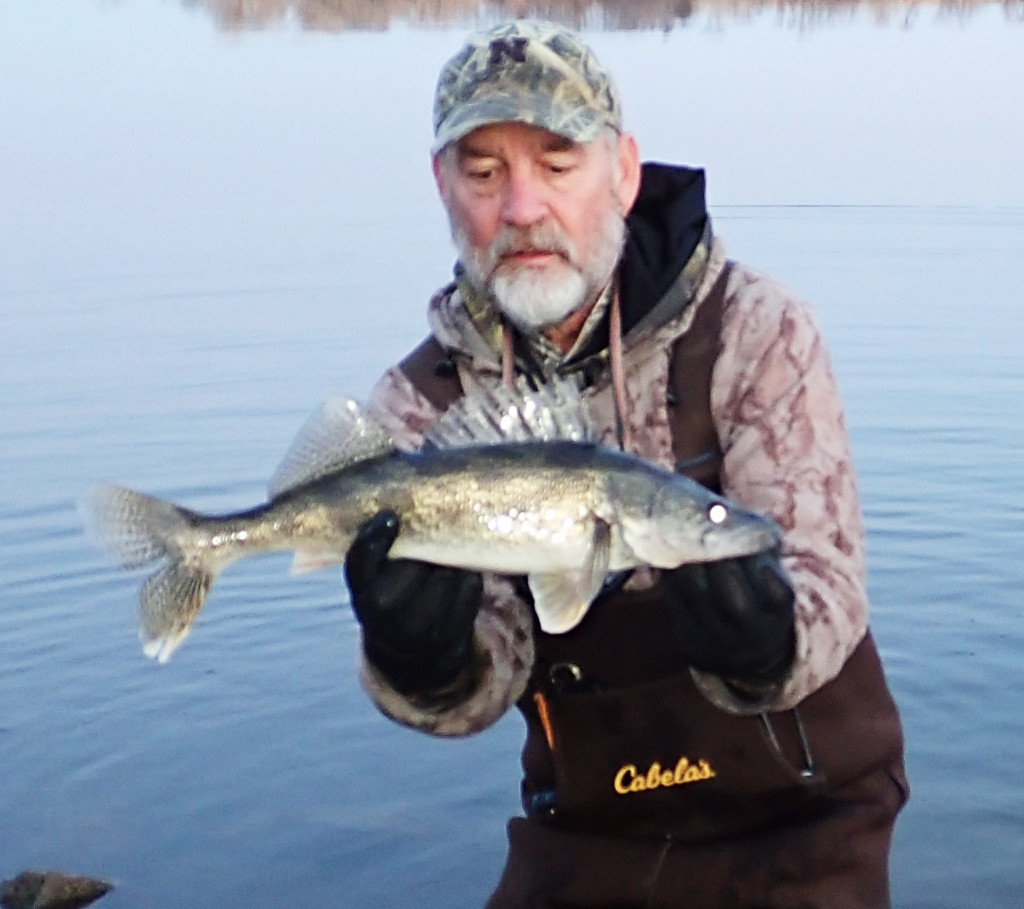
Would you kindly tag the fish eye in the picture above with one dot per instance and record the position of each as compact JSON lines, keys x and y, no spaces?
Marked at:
{"x":717,"y":513}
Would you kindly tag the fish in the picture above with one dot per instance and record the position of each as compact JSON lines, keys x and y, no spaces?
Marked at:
{"x":510,"y":480}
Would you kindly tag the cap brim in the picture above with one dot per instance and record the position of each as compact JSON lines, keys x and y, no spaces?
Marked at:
{"x":577,"y":124}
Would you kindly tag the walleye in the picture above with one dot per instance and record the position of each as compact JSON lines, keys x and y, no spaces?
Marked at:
{"x":509,"y":481}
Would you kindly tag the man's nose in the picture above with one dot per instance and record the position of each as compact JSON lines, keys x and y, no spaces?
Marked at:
{"x":525,"y":200}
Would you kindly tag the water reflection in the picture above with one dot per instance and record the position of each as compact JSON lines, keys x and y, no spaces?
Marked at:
{"x":341,"y":15}
{"x":195,"y":251}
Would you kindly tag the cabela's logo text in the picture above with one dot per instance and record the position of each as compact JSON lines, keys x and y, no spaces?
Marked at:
{"x":629,"y":779}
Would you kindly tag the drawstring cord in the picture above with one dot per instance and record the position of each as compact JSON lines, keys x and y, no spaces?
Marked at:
{"x":622,"y":430}
{"x":508,"y":356}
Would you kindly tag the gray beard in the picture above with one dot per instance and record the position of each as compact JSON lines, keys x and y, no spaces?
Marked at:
{"x":534,"y":299}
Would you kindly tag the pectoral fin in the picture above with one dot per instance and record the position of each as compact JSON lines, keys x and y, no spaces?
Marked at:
{"x":561,"y":600}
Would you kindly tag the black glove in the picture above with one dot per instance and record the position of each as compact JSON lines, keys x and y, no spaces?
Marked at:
{"x":417,"y":618}
{"x":734,"y":618}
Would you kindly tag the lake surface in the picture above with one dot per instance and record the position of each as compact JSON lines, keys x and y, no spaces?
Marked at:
{"x":203,"y":234}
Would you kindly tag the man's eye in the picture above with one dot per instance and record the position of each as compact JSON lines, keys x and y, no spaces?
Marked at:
{"x":479,"y":170}
{"x":559,"y":167}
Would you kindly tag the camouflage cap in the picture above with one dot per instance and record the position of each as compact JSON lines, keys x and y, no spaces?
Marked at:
{"x":533,"y":72}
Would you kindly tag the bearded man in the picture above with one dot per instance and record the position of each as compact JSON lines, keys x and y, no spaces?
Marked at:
{"x":716,"y":735}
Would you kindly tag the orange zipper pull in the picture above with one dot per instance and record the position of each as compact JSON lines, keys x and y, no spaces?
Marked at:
{"x":545,"y":718}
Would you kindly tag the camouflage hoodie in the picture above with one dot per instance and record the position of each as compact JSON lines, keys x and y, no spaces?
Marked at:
{"x":780,"y":426}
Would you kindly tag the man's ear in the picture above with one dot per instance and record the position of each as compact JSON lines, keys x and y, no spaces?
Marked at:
{"x":628,"y":164}
{"x":439,"y":175}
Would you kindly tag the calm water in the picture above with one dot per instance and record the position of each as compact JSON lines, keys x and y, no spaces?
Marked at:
{"x":201,"y":236}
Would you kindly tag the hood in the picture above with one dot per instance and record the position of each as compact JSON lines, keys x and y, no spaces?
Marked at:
{"x":663,"y":230}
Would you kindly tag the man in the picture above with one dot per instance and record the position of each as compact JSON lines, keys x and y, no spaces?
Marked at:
{"x":717,"y":735}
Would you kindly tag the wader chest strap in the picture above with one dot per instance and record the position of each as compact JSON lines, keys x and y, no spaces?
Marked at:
{"x":694,"y":439}
{"x":433,"y":372}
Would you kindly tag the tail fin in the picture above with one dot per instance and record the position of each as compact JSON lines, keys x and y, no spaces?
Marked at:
{"x":137,"y":530}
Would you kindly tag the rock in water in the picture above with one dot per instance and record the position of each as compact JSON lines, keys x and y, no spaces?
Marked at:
{"x":50,"y":890}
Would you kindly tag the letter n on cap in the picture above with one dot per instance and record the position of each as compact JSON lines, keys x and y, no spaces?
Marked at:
{"x":513,"y":48}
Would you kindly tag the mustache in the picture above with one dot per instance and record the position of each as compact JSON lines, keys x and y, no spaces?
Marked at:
{"x":545,"y":238}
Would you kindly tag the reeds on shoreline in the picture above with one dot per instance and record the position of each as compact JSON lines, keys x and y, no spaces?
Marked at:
{"x":378,"y":15}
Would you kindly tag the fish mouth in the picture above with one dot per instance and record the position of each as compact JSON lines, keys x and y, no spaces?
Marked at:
{"x":722,"y":542}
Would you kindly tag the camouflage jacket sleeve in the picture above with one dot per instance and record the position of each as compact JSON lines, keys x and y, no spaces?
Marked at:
{"x":504,"y":636}
{"x":786,"y":454}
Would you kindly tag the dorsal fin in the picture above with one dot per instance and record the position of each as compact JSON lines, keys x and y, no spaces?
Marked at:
{"x":551,"y":412}
{"x":338,"y":434}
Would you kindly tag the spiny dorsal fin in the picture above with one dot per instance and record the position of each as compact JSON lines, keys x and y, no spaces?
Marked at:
{"x":551,"y":412}
{"x":338,"y":434}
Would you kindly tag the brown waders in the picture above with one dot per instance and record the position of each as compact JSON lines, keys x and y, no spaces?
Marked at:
{"x":638,"y":792}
